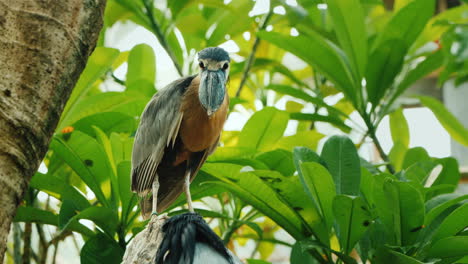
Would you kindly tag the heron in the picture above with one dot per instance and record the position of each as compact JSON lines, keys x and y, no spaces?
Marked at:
{"x":179,"y":128}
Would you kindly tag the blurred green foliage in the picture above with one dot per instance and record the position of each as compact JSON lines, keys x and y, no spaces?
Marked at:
{"x":338,"y":207}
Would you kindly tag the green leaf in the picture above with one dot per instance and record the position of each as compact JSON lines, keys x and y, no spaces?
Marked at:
{"x":263,"y":129}
{"x":433,"y":30}
{"x":397,"y":155}
{"x":141,"y":67}
{"x":299,"y":256}
{"x":36,"y":215}
{"x":385,"y":63}
{"x":59,"y":189}
{"x":457,"y":221}
{"x":408,"y":208}
{"x":348,"y":23}
{"x":100,"y":249}
{"x":340,"y":155}
{"x":353,"y":219}
{"x":87,"y":158}
{"x":456,"y":130}
{"x":130,"y":103}
{"x":108,"y":122}
{"x":303,"y":154}
{"x":450,"y":173}
{"x":321,"y":118}
{"x":319,"y":186}
{"x":257,"y":193}
{"x":300,"y":94}
{"x":415,"y":155}
{"x":327,"y":58}
{"x":98,"y":63}
{"x":308,"y":139}
{"x":431,"y":63}
{"x":440,"y":203}
{"x":127,"y":198}
{"x":290,"y":191}
{"x":278,"y":160}
{"x":407,"y":23}
{"x":398,"y":258}
{"x":455,"y":246}
{"x":103,"y":217}
{"x":399,"y":128}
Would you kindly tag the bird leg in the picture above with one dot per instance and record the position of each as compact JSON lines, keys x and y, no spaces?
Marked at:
{"x":187,"y":191}
{"x":155,"y":195}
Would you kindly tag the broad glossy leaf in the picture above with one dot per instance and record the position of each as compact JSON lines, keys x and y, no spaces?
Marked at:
{"x":103,"y":217}
{"x":307,"y":139}
{"x":399,"y":128}
{"x":101,"y":249}
{"x":348,"y":23}
{"x":141,"y":68}
{"x":59,"y":189}
{"x":353,"y":219}
{"x":300,"y":94}
{"x":130,"y":103}
{"x":431,"y":63}
{"x":87,"y":158}
{"x":408,"y":22}
{"x":263,"y":129}
{"x":303,"y":154}
{"x":342,"y":159}
{"x":254,"y":191}
{"x":299,"y":256}
{"x":108,"y":122}
{"x":456,"y":130}
{"x":290,"y":191}
{"x":457,"y":221}
{"x":385,"y":62}
{"x":397,"y":154}
{"x":278,"y":160}
{"x":321,"y":118}
{"x":408,"y":211}
{"x":318,"y":184}
{"x":449,"y":247}
{"x":450,"y":173}
{"x":36,"y":215}
{"x":415,"y":155}
{"x":327,"y":58}
{"x":438,"y":204}
{"x":433,"y":30}
{"x":98,"y":63}
{"x":399,"y":258}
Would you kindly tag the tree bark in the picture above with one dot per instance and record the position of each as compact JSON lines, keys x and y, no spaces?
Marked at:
{"x":143,"y":248}
{"x":44,"y":46}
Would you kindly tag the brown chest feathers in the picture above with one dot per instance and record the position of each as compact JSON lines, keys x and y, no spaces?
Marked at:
{"x":197,"y":130}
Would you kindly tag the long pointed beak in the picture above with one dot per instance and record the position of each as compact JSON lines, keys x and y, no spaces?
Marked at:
{"x":212,"y":90}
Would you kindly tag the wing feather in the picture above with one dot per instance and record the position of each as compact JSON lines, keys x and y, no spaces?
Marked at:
{"x":159,"y":126}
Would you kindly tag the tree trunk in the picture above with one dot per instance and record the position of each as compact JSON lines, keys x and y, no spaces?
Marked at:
{"x":44,"y":46}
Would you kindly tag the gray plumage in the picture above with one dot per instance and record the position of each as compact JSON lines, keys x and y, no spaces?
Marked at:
{"x":158,"y":130}
{"x":214,"y":53}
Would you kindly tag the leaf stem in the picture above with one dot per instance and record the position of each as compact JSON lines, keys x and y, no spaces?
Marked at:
{"x":372,"y":133}
{"x":250,"y":60}
{"x":159,"y":34}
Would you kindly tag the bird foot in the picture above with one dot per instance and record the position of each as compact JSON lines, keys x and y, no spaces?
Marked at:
{"x":155,"y":217}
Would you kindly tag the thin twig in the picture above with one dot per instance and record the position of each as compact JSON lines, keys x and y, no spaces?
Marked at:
{"x":160,"y":35}
{"x":251,"y":58}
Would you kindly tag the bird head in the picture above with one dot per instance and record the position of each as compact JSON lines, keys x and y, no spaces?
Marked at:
{"x":214,"y":72}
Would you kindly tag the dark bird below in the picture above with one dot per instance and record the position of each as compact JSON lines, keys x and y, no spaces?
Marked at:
{"x":178,"y":129}
{"x":189,"y":240}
